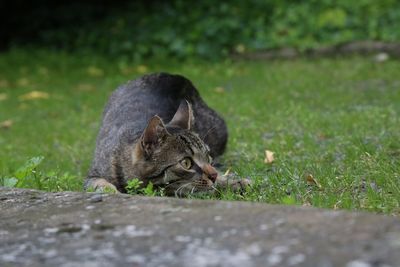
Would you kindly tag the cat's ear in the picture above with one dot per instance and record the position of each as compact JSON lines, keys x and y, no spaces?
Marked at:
{"x":183,"y":117}
{"x":153,"y":135}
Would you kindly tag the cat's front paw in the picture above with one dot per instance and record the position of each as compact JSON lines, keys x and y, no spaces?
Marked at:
{"x":101,"y":186}
{"x":233,"y":182}
{"x":240,"y":185}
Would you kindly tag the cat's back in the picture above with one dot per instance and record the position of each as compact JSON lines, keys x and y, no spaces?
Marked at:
{"x":153,"y":94}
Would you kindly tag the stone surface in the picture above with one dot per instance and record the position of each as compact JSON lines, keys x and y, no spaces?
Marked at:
{"x":87,"y":229}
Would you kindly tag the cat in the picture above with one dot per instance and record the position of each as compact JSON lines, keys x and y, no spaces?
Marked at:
{"x":158,"y":129}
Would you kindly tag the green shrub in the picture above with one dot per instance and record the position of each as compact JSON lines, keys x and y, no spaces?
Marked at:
{"x":212,"y":29}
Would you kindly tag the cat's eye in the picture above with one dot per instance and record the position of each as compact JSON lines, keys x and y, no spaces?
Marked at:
{"x":186,"y":163}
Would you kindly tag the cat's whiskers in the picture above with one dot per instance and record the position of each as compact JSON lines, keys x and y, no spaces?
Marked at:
{"x":173,"y":183}
{"x":194,"y":187}
{"x":177,"y":192}
{"x":215,"y":189}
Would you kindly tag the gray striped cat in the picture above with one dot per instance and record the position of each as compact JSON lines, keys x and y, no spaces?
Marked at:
{"x":158,"y":129}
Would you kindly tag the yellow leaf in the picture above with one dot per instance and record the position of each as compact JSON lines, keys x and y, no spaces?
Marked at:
{"x":227,"y":172}
{"x":127,"y":70}
{"x":269,"y":157}
{"x":240,"y":48}
{"x":43,"y":71}
{"x":3,"y":96}
{"x":85,"y":87}
{"x":312,"y":181}
{"x":23,"y":106}
{"x":95,"y":72}
{"x":219,"y":90}
{"x":142,"y":69}
{"x":6,"y":124}
{"x":4,"y":83}
{"x":337,"y":205}
{"x":23,"y":82}
{"x":34,"y":95}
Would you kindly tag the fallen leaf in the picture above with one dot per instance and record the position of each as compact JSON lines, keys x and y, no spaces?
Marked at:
{"x":3,"y":96}
{"x":127,"y":70}
{"x":23,"y":82}
{"x":23,"y":106}
{"x":85,"y":87}
{"x":142,"y":69}
{"x":219,"y":90}
{"x":312,"y":181}
{"x":4,"y":83}
{"x":95,"y":71}
{"x":6,"y":124}
{"x":321,"y":137}
{"x":269,"y":157}
{"x":43,"y":71}
{"x":240,"y":48}
{"x":381,"y":57}
{"x":34,"y":95}
{"x":337,"y":205}
{"x":227,"y":172}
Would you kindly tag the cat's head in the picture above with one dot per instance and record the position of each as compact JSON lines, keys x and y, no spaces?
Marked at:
{"x":174,"y":157}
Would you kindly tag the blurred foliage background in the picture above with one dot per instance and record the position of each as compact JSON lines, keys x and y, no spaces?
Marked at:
{"x":207,"y":29}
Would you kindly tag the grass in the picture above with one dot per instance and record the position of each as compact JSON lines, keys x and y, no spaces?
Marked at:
{"x":337,"y":120}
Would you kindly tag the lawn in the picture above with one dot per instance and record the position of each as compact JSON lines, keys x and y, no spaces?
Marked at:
{"x":333,"y":124}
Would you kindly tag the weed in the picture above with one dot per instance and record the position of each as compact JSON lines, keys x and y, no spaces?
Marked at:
{"x":135,"y":186}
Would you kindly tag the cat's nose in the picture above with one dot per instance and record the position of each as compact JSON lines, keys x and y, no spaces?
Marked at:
{"x":210,"y":172}
{"x":213,"y":176}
